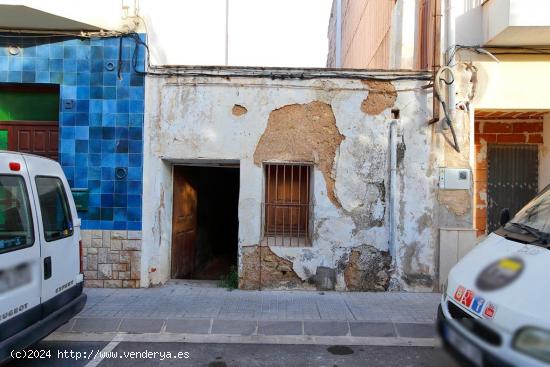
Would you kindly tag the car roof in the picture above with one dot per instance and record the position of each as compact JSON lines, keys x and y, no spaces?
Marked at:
{"x":26,"y":154}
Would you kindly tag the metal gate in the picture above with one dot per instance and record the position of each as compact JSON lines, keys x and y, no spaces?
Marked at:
{"x":512,"y":179}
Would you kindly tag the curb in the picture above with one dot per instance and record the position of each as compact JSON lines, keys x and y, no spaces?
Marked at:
{"x":251,"y":328}
{"x":238,"y":339}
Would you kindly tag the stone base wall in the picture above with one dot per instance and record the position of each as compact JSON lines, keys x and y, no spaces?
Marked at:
{"x":111,"y":259}
{"x":261,"y":268}
{"x":362,"y":268}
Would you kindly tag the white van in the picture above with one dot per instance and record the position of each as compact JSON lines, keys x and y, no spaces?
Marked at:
{"x":40,"y":269}
{"x":495,"y":310}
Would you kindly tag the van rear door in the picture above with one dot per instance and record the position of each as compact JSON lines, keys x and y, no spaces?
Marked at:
{"x":20,"y":275}
{"x":59,"y":233}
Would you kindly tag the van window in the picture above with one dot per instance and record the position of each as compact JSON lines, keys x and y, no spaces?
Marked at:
{"x":56,"y":215}
{"x":16,"y":229}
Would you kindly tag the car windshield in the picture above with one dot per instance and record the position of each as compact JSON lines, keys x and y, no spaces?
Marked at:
{"x":535,"y":216}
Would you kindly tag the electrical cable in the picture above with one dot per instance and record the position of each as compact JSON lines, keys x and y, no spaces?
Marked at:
{"x":119,"y":64}
{"x":289,"y":86}
{"x":489,"y":51}
{"x":437,"y":91}
{"x":181,"y":70}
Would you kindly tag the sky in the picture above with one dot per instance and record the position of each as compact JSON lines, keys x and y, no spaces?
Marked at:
{"x":278,"y":32}
{"x":290,"y":33}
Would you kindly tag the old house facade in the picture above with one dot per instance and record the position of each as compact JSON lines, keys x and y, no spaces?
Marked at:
{"x":311,"y":153}
{"x":494,"y":58}
{"x":290,"y":178}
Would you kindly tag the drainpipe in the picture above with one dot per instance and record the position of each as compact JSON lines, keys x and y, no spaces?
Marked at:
{"x":393,"y":186}
{"x":450,"y":31}
{"x":338,"y":36}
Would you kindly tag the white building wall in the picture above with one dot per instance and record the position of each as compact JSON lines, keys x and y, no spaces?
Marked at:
{"x":193,"y":32}
{"x":190,"y":119}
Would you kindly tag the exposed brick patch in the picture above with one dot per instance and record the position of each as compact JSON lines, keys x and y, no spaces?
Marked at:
{"x":496,"y":128}
{"x":527,"y":127}
{"x":481,"y":175}
{"x":111,"y":259}
{"x":509,"y":131}
{"x":511,"y":138}
{"x":535,"y":139}
{"x":498,"y":131}
{"x":489,"y":138}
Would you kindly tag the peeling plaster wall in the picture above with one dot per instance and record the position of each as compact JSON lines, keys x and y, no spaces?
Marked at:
{"x":191,"y":118}
{"x":302,"y":133}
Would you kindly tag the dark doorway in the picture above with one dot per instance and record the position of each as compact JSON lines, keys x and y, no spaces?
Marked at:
{"x":205,"y":222}
{"x":512,"y":179}
{"x":29,"y":119}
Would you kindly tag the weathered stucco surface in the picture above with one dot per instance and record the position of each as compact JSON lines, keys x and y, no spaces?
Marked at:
{"x":190,"y":119}
{"x":367,"y":269}
{"x":302,"y":133}
{"x":456,"y":206}
{"x":271,"y":271}
{"x":381,"y":95}
{"x":238,"y":110}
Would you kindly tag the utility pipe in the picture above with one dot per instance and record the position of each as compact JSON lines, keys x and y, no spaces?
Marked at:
{"x":450,"y":32}
{"x":393,"y":188}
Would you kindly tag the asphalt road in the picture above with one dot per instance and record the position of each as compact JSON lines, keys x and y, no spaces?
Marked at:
{"x":229,"y":355}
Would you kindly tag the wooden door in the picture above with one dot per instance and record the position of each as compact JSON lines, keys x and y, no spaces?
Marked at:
{"x":34,"y":137}
{"x":184,"y":226}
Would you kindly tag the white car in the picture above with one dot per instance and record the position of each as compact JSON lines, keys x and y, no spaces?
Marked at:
{"x":495,"y":310}
{"x":41,"y":277}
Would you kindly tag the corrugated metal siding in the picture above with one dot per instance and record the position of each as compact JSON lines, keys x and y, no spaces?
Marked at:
{"x":512,"y":179}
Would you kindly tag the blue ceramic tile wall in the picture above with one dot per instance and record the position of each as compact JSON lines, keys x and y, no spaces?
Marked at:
{"x":100,"y":118}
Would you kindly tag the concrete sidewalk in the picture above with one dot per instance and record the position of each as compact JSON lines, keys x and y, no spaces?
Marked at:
{"x":202,"y":308}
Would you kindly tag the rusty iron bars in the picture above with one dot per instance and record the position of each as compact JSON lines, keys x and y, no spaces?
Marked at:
{"x":287,"y":208}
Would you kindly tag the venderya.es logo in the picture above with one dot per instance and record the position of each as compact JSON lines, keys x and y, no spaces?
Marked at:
{"x":500,"y":273}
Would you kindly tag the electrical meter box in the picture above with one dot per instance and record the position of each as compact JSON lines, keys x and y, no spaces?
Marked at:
{"x":454,"y":178}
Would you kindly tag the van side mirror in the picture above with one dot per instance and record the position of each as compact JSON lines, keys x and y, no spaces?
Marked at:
{"x":504,"y":216}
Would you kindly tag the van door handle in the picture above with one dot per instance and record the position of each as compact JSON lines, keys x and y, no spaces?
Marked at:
{"x":48,"y":267}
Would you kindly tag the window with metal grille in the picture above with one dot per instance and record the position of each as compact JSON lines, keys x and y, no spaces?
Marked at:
{"x":287,"y":207}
